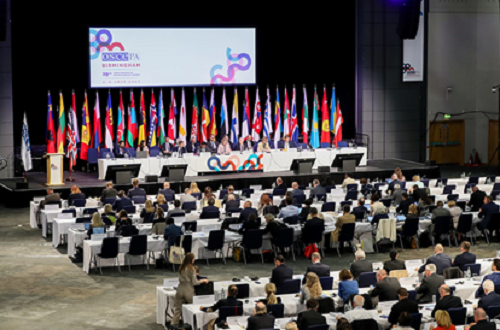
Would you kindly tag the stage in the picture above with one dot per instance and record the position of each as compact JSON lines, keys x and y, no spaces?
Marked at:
{"x":91,"y":186}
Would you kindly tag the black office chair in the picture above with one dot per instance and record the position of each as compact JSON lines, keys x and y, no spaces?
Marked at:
{"x":279,"y":192}
{"x":107,"y":221}
{"x":210,"y":215}
{"x":284,"y":240}
{"x":290,"y":286}
{"x":313,"y":235}
{"x":252,"y":240}
{"x":222,"y":194}
{"x":109,"y":250}
{"x":138,"y":247}
{"x":326,"y":282}
{"x":416,"y":320}
{"x":72,"y":211}
{"x":346,"y":235}
{"x":149,"y":217}
{"x":130,"y":209}
{"x":139,"y":199}
{"x":321,"y":197}
{"x":351,"y":195}
{"x":464,"y":226}
{"x":243,"y":291}
{"x":328,"y":207}
{"x":216,"y":243}
{"x":110,"y":200}
{"x":493,"y":225}
{"x":83,"y":220}
{"x":293,"y":220}
{"x":189,"y":206}
{"x":79,"y":202}
{"x":90,"y":211}
{"x":190,"y":225}
{"x":227,"y":311}
{"x":442,"y":227}
{"x":410,"y":229}
{"x":273,"y":209}
{"x":277,"y":310}
{"x":247,"y":192}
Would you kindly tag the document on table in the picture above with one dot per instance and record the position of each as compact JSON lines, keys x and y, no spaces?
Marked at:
{"x":377,"y":266}
{"x":204,"y":300}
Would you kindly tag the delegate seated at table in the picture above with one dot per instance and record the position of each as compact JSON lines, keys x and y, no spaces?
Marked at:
{"x":490,"y":298}
{"x":250,"y":224}
{"x":321,"y":270}
{"x":181,"y":149}
{"x":494,"y":277}
{"x":193,"y":145}
{"x":136,"y":191}
{"x":75,"y":194}
{"x":230,"y":191}
{"x":430,"y":284}
{"x":109,"y":192}
{"x":394,"y":263}
{"x":224,"y":148}
{"x":447,"y":301}
{"x":142,"y":147}
{"x":247,"y":210}
{"x":230,"y":301}
{"x":359,"y":313}
{"x":481,"y":323}
{"x":386,"y":287}
{"x":347,"y":285}
{"x":465,"y":258}
{"x":176,"y":210}
{"x":281,"y":272}
{"x":120,"y":149}
{"x":171,"y":232}
{"x":212,"y":145}
{"x":440,"y":259}
{"x":286,"y":144}
{"x":264,"y":145}
{"x":310,"y":317}
{"x":260,"y":319}
{"x":360,"y":265}
{"x":403,"y":305}
{"x":96,"y":223}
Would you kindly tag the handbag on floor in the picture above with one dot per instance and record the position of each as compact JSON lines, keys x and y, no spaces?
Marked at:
{"x":177,"y":253}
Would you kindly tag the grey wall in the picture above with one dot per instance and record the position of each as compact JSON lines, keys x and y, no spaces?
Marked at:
{"x":464,"y":54}
{"x":6,"y":118}
{"x":389,"y":111}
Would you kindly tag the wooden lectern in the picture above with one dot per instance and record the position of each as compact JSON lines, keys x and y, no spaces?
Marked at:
{"x":55,"y":169}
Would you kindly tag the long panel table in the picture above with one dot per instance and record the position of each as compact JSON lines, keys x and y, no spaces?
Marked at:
{"x":274,"y":161}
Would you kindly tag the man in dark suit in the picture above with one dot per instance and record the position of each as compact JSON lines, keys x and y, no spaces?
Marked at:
{"x":212,"y":144}
{"x":441,"y":260}
{"x":481,"y":322}
{"x":317,"y":190}
{"x":465,"y":258}
{"x":230,"y":190}
{"x":193,"y":145}
{"x":317,"y":267}
{"x":260,"y":319}
{"x":494,"y":277}
{"x":136,"y":191}
{"x":120,"y":149}
{"x":490,"y":298}
{"x":404,"y":305}
{"x":51,"y":197}
{"x":272,"y":226}
{"x":394,"y":182}
{"x":181,"y":149}
{"x":430,"y":284}
{"x":210,"y":208}
{"x":171,"y":232}
{"x":476,"y":199}
{"x":394,"y":263}
{"x":230,"y":301}
{"x":360,"y":208}
{"x":447,"y":301}
{"x":486,"y":211}
{"x":287,"y":143}
{"x":281,"y":272}
{"x":311,"y":316}
{"x":167,"y":147}
{"x":232,"y":203}
{"x":166,"y":190}
{"x":296,"y":191}
{"x":439,"y":211}
{"x":247,"y":210}
{"x":109,"y":192}
{"x":280,"y":184}
{"x":361,"y":265}
{"x":386,"y":288}
{"x":404,"y":205}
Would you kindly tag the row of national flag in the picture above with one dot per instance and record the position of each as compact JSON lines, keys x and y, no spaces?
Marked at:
{"x":272,"y":122}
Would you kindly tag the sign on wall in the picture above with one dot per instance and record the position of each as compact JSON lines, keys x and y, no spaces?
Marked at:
{"x":413,"y":53}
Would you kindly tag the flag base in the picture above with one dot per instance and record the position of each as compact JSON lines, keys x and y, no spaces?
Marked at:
{"x":70,"y":179}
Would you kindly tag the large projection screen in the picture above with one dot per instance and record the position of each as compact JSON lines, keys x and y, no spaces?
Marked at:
{"x":149,"y":57}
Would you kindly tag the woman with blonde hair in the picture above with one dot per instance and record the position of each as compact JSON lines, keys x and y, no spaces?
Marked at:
{"x":108,"y":212}
{"x":264,"y":145}
{"x":443,"y":321}
{"x":147,"y":210}
{"x":160,"y":200}
{"x":96,"y":223}
{"x":455,"y":212}
{"x":271,"y":295}
{"x":312,"y":288}
{"x":185,"y":290}
{"x":194,"y":188}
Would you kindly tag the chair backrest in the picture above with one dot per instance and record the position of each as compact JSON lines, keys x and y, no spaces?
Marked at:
{"x":313,"y":234}
{"x":326,"y":283}
{"x":468,"y":186}
{"x":366,"y":324}
{"x":342,"y":203}
{"x":189,"y":206}
{"x":461,"y":204}
{"x":273,"y":209}
{"x":347,"y":232}
{"x":107,"y":221}
{"x":475,"y":269}
{"x":247,"y":192}
{"x":444,"y":181}
{"x":190,"y":225}
{"x":243,"y":291}
{"x":90,"y":210}
{"x":164,"y":207}
{"x":110,"y":200}
{"x":352,"y":186}
{"x":412,"y":295}
{"x":425,"y":182}
{"x":474,"y":179}
{"x":359,"y":215}
{"x":222,"y":193}
{"x":324,"y":145}
{"x":458,"y":315}
{"x":464,"y":223}
{"x":196,"y":195}
{"x":342,"y":144}
{"x":326,"y":305}
{"x":321,"y":197}
{"x":109,"y":248}
{"x":72,"y":211}
{"x":277,"y":310}
{"x":148,"y":218}
{"x":139,"y":199}
{"x":279,"y":192}
{"x":493,"y":311}
{"x":79,"y":202}
{"x":490,"y":179}
{"x":290,"y":286}
{"x":210,"y":215}
{"x":328,"y":207}
{"x":319,"y":327}
{"x":351,"y":195}
{"x":130,"y":209}
{"x":411,"y":227}
{"x":83,"y":220}
{"x":442,"y":225}
{"x":169,"y":197}
{"x":285,"y":237}
{"x":154,"y":151}
{"x":187,"y":243}
{"x":452,"y":197}
{"x":252,"y":239}
{"x":495,"y":193}
{"x":448,"y":189}
{"x":300,"y":199}
{"x":131,"y":152}
{"x":93,"y":155}
{"x":293,"y":220}
{"x":386,"y":202}
{"x":366,"y":279}
{"x":226,"y":311}
{"x":138,"y":245}
{"x":416,"y":320}
{"x":216,"y":239}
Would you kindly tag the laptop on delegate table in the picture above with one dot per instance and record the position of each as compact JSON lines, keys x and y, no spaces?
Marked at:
{"x":141,"y":154}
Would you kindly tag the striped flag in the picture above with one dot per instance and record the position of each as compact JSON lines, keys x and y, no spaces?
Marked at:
{"x":325,"y":119}
{"x":315,"y":123}
{"x":182,"y":122}
{"x":161,"y":118}
{"x":224,"y":129}
{"x":246,"y":116}
{"x":277,"y":119}
{"x":50,"y":133}
{"x":295,"y":125}
{"x":153,"y":120}
{"x":72,"y":112}
{"x":213,"y":111}
{"x":286,"y":121}
{"x":71,"y":140}
{"x":171,"y":117}
{"x":195,"y":132}
{"x":109,"y":124}
{"x":305,"y":119}
{"x":268,"y":122}
{"x":205,"y":119}
{"x":257,"y":119}
{"x":120,"y":125}
{"x":333,"y":112}
{"x":97,"y":137}
{"x":338,"y":125}
{"x":86,"y":130}
{"x":235,"y":125}
{"x":131,"y":122}
{"x":62,"y":126}
{"x":142,"y":119}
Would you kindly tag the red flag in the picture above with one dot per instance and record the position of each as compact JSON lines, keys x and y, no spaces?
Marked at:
{"x":338,"y":125}
{"x":194,"y":121}
{"x":120,"y":136}
{"x":325,"y":120}
{"x":171,"y":117}
{"x":86,"y":130}
{"x":51,"y":133}
{"x":142,"y":120}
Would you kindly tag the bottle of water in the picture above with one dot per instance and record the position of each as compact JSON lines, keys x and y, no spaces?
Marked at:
{"x":468,"y":274}
{"x":369,"y":196}
{"x":315,"y":199}
{"x":125,"y":155}
{"x":108,"y":156}
{"x":222,"y":293}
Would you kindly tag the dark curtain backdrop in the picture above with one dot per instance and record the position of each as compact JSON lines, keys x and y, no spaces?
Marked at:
{"x":309,"y":44}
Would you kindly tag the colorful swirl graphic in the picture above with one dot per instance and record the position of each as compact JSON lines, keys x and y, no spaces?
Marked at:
{"x":233,"y":163}
{"x":102,"y":39}
{"x":231,"y":69}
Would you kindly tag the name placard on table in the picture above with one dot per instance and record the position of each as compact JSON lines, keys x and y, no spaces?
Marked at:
{"x":171,"y":282}
{"x":204,"y":300}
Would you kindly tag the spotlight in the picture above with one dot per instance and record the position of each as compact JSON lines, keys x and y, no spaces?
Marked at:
{"x":494,"y":89}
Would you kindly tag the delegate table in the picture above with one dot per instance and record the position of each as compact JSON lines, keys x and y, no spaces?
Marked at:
{"x":274,"y":161}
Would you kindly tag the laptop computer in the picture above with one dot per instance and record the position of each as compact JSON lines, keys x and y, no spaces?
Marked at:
{"x":98,"y":230}
{"x":141,"y":154}
{"x":386,"y":180}
{"x":87,"y":224}
{"x":367,"y":207}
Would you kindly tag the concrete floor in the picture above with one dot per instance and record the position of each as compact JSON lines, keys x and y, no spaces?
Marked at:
{"x":41,"y":289}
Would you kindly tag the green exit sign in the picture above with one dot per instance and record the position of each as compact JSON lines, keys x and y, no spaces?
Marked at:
{"x":447,"y":116}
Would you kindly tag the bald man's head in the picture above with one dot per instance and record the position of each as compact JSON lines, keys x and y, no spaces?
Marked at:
{"x":381,"y":274}
{"x":479,"y":314}
{"x":438,"y":248}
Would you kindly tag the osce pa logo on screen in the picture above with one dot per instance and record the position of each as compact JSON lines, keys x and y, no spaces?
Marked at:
{"x":119,"y":57}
